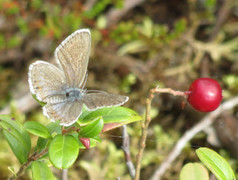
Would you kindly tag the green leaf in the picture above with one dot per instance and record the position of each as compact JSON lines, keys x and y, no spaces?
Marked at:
{"x":53,"y":128}
{"x":216,"y":164}
{"x":92,"y":129}
{"x":41,"y":144}
{"x":63,"y":151}
{"x":133,"y":47}
{"x":37,"y":129}
{"x":40,"y":170}
{"x":18,"y":139}
{"x":16,"y":146}
{"x":195,"y":171}
{"x":6,"y":122}
{"x":97,"y":138}
{"x":117,"y":114}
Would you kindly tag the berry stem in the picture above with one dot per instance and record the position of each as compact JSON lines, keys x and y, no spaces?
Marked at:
{"x":170,"y":91}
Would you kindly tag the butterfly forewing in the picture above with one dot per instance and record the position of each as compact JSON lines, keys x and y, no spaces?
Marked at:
{"x":73,"y":55}
{"x":95,"y":101}
{"x":45,"y":79}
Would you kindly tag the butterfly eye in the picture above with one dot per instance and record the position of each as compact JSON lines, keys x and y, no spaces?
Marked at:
{"x":67,"y":94}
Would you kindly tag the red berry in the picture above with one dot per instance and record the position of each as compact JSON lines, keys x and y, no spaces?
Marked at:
{"x":85,"y":142}
{"x":205,"y":94}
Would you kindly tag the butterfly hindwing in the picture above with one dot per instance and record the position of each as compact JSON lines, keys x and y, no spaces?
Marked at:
{"x":66,"y":112}
{"x":95,"y":101}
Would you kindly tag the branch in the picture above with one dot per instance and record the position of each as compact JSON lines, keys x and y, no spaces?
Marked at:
{"x":203,"y":124}
{"x":147,"y":121}
{"x":33,"y":157}
{"x":223,"y":14}
{"x":114,"y":15}
{"x":126,"y":148}
{"x":144,"y":126}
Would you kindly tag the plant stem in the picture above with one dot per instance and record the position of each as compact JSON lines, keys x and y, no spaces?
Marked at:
{"x":126,"y":150}
{"x":33,"y":157}
{"x":36,"y":156}
{"x":144,"y":126}
{"x":73,"y":128}
{"x":147,"y":121}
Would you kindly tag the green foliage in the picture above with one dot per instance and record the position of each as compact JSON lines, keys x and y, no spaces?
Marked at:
{"x":125,"y":32}
{"x":60,"y":145}
{"x":119,"y":115}
{"x":100,"y":6}
{"x":40,"y":170}
{"x":216,"y":164}
{"x":17,"y":137}
{"x":13,"y":41}
{"x":22,"y":25}
{"x":12,"y":7}
{"x":210,"y":4}
{"x":63,"y":151}
{"x":108,"y":165}
{"x":231,"y":81}
{"x":127,"y":82}
{"x":72,"y":21}
{"x":162,"y":143}
{"x":92,"y":129}
{"x":146,"y":36}
{"x":2,"y":41}
{"x":143,"y":37}
{"x":37,"y":129}
{"x":36,"y":4}
{"x":195,"y":171}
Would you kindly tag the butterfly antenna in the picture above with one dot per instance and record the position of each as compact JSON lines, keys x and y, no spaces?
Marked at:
{"x":96,"y":91}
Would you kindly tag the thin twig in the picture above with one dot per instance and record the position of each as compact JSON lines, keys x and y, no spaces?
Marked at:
{"x":89,"y":4}
{"x":203,"y":124}
{"x":114,"y":15}
{"x":126,"y":148}
{"x":147,"y":121}
{"x":170,"y":91}
{"x":144,"y":126}
{"x":67,"y":130}
{"x":33,"y":157}
{"x":223,"y":14}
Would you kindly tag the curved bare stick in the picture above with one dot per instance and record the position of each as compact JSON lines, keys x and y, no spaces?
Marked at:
{"x":204,"y":123}
{"x":126,"y":148}
{"x":114,"y":15}
{"x":22,"y":104}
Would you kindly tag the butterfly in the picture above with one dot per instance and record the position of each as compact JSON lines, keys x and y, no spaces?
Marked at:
{"x":62,"y":87}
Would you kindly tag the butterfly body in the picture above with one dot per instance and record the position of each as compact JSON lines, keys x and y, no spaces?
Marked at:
{"x":74,"y":94}
{"x":61,"y":88}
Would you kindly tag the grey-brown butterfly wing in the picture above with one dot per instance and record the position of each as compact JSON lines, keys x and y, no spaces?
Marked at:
{"x":45,"y":80}
{"x":98,"y":100}
{"x":66,"y":112}
{"x":72,"y":55}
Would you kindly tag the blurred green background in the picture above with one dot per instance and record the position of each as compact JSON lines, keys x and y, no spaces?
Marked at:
{"x":136,"y":45}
